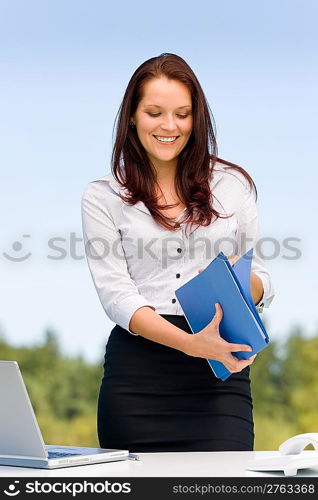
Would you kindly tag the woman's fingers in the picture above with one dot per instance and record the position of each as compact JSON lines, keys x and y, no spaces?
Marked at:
{"x":238,"y":347}
{"x":217,"y":318}
{"x":235,"y":365}
{"x":211,"y":345}
{"x":228,"y":346}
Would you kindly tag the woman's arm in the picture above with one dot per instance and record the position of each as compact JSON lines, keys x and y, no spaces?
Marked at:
{"x":106,"y":260}
{"x":206,"y":344}
{"x":149,"y":324}
{"x":257,"y":288}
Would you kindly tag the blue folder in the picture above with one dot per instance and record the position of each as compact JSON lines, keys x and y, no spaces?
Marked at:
{"x":230,"y":287}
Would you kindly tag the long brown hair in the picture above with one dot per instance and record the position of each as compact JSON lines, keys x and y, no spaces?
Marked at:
{"x":132,"y":167}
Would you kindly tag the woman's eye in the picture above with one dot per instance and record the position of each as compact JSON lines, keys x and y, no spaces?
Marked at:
{"x":154,"y":115}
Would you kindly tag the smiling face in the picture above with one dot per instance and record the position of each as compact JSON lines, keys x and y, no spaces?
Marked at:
{"x":163,"y":120}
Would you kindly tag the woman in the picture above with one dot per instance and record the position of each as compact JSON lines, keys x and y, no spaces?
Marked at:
{"x":168,"y":208}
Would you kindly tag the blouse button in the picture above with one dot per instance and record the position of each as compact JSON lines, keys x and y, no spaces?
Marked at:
{"x":174,"y":300}
{"x":179,"y":250}
{"x":178,"y":275}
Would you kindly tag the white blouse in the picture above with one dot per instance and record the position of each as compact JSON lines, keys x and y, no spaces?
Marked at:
{"x":135,"y":262}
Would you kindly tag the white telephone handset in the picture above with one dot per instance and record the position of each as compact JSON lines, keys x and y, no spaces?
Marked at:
{"x":298,"y":443}
{"x":291,"y":456}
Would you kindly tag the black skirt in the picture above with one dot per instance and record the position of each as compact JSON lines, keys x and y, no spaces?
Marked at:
{"x":154,"y":399}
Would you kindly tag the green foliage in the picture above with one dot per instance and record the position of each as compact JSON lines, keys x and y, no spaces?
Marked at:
{"x":64,"y":391}
{"x":284,"y":389}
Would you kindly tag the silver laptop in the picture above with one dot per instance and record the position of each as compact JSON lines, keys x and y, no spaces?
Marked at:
{"x":21,"y":441}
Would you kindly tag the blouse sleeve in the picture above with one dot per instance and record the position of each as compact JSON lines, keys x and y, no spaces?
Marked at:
{"x":106,"y":260}
{"x":248,"y":237}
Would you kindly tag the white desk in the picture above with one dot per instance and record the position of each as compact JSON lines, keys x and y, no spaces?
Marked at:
{"x":192,"y":464}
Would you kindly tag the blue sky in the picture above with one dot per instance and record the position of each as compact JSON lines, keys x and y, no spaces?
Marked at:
{"x":64,"y":67}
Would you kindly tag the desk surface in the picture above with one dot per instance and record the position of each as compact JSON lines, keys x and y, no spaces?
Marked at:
{"x":192,"y":464}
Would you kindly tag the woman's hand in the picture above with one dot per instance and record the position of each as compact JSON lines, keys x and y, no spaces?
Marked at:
{"x":209,"y":344}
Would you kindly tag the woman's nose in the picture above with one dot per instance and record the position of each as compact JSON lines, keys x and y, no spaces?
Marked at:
{"x":168,"y":123}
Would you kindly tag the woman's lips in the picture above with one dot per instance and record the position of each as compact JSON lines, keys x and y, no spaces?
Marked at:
{"x":165,"y":140}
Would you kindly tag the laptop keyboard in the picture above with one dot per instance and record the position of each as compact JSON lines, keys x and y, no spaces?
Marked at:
{"x":58,"y":454}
